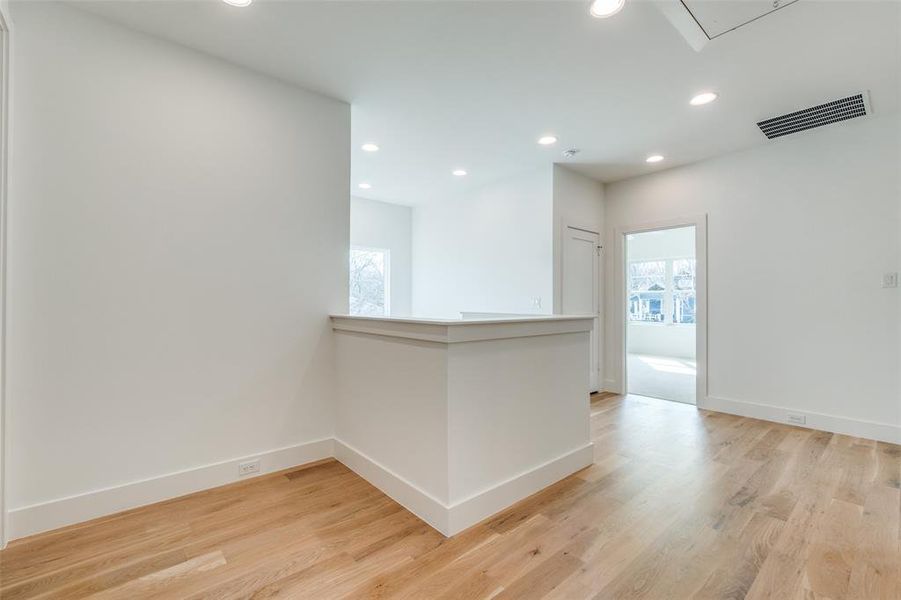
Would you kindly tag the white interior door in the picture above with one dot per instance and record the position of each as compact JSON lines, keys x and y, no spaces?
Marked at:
{"x":581,"y":250}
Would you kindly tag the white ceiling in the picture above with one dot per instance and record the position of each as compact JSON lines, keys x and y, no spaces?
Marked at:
{"x":717,"y":18}
{"x":441,"y":85}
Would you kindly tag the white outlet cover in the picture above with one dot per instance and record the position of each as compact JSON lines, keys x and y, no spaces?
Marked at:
{"x":248,"y":467}
{"x":797,"y":419}
{"x":890,"y":280}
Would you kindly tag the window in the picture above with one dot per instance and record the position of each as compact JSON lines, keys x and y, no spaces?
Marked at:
{"x":369,"y":294}
{"x":683,"y":271}
{"x":662,"y":291}
{"x":647,"y":290}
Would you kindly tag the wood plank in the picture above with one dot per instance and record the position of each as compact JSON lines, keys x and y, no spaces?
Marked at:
{"x":876,"y":573}
{"x":680,"y":503}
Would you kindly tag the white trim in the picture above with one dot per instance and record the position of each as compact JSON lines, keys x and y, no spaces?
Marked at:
{"x":599,"y":338}
{"x":45,"y":516}
{"x":450,"y":519}
{"x":419,"y":502}
{"x":497,"y":319}
{"x":661,"y":324}
{"x":619,"y":280}
{"x":447,"y":519}
{"x":480,"y":506}
{"x":459,"y":331}
{"x":5,"y":65}
{"x":470,"y":315}
{"x":884,"y":432}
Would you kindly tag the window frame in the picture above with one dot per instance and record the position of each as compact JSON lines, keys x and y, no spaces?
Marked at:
{"x":386,"y":276}
{"x":668,"y":292}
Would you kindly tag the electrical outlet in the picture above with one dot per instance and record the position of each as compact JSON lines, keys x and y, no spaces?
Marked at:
{"x":248,"y":468}
{"x":797,"y":419}
{"x":536,"y":302}
{"x":890,"y":280}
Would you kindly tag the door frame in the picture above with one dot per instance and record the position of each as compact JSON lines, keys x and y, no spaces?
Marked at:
{"x":5,"y":62}
{"x":599,"y":350}
{"x":621,"y":321}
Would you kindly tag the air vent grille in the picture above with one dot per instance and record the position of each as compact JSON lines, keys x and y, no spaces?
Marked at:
{"x":816,"y":116}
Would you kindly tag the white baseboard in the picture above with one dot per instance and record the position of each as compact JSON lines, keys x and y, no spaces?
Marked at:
{"x":478,"y":507}
{"x":447,"y":519}
{"x":612,"y":385}
{"x":454,"y":518}
{"x":419,"y":502}
{"x":45,"y":516}
{"x":883,"y":432}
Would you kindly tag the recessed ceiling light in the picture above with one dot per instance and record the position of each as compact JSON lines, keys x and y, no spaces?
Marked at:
{"x":547,"y":140}
{"x":654,"y":158}
{"x":459,"y":173}
{"x":364,"y":186}
{"x":703,"y":98}
{"x":240,"y":3}
{"x":605,"y":8}
{"x":369,"y":147}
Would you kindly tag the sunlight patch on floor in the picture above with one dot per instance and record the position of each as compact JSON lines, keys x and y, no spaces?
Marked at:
{"x":666,"y":377}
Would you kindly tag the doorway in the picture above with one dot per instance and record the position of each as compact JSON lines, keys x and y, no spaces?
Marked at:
{"x":581,"y":288}
{"x":662,"y":279}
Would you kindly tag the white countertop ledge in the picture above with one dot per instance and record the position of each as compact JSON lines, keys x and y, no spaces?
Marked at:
{"x":449,"y":331}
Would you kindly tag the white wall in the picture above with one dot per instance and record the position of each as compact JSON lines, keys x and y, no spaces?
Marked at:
{"x":391,"y":398}
{"x":6,"y":28}
{"x":515,"y":404}
{"x":800,"y":231}
{"x":486,"y":250}
{"x":457,"y":422}
{"x":662,"y":339}
{"x":659,"y":339}
{"x":662,"y":244}
{"x":578,"y":202}
{"x":381,"y":225}
{"x":178,"y":235}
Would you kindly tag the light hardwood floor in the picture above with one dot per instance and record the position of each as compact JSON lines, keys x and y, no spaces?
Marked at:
{"x":679,"y":504}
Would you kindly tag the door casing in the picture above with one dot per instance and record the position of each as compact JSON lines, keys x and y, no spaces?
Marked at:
{"x":599,"y":297}
{"x":620,"y":322}
{"x":5,"y":62}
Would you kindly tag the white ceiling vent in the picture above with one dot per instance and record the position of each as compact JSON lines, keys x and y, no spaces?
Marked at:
{"x":851,"y":107}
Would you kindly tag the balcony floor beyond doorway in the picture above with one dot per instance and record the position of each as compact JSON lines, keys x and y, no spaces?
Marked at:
{"x":667,"y":377}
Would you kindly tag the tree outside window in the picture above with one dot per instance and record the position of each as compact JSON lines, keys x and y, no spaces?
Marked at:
{"x":662,"y":291}
{"x":369,"y":290}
